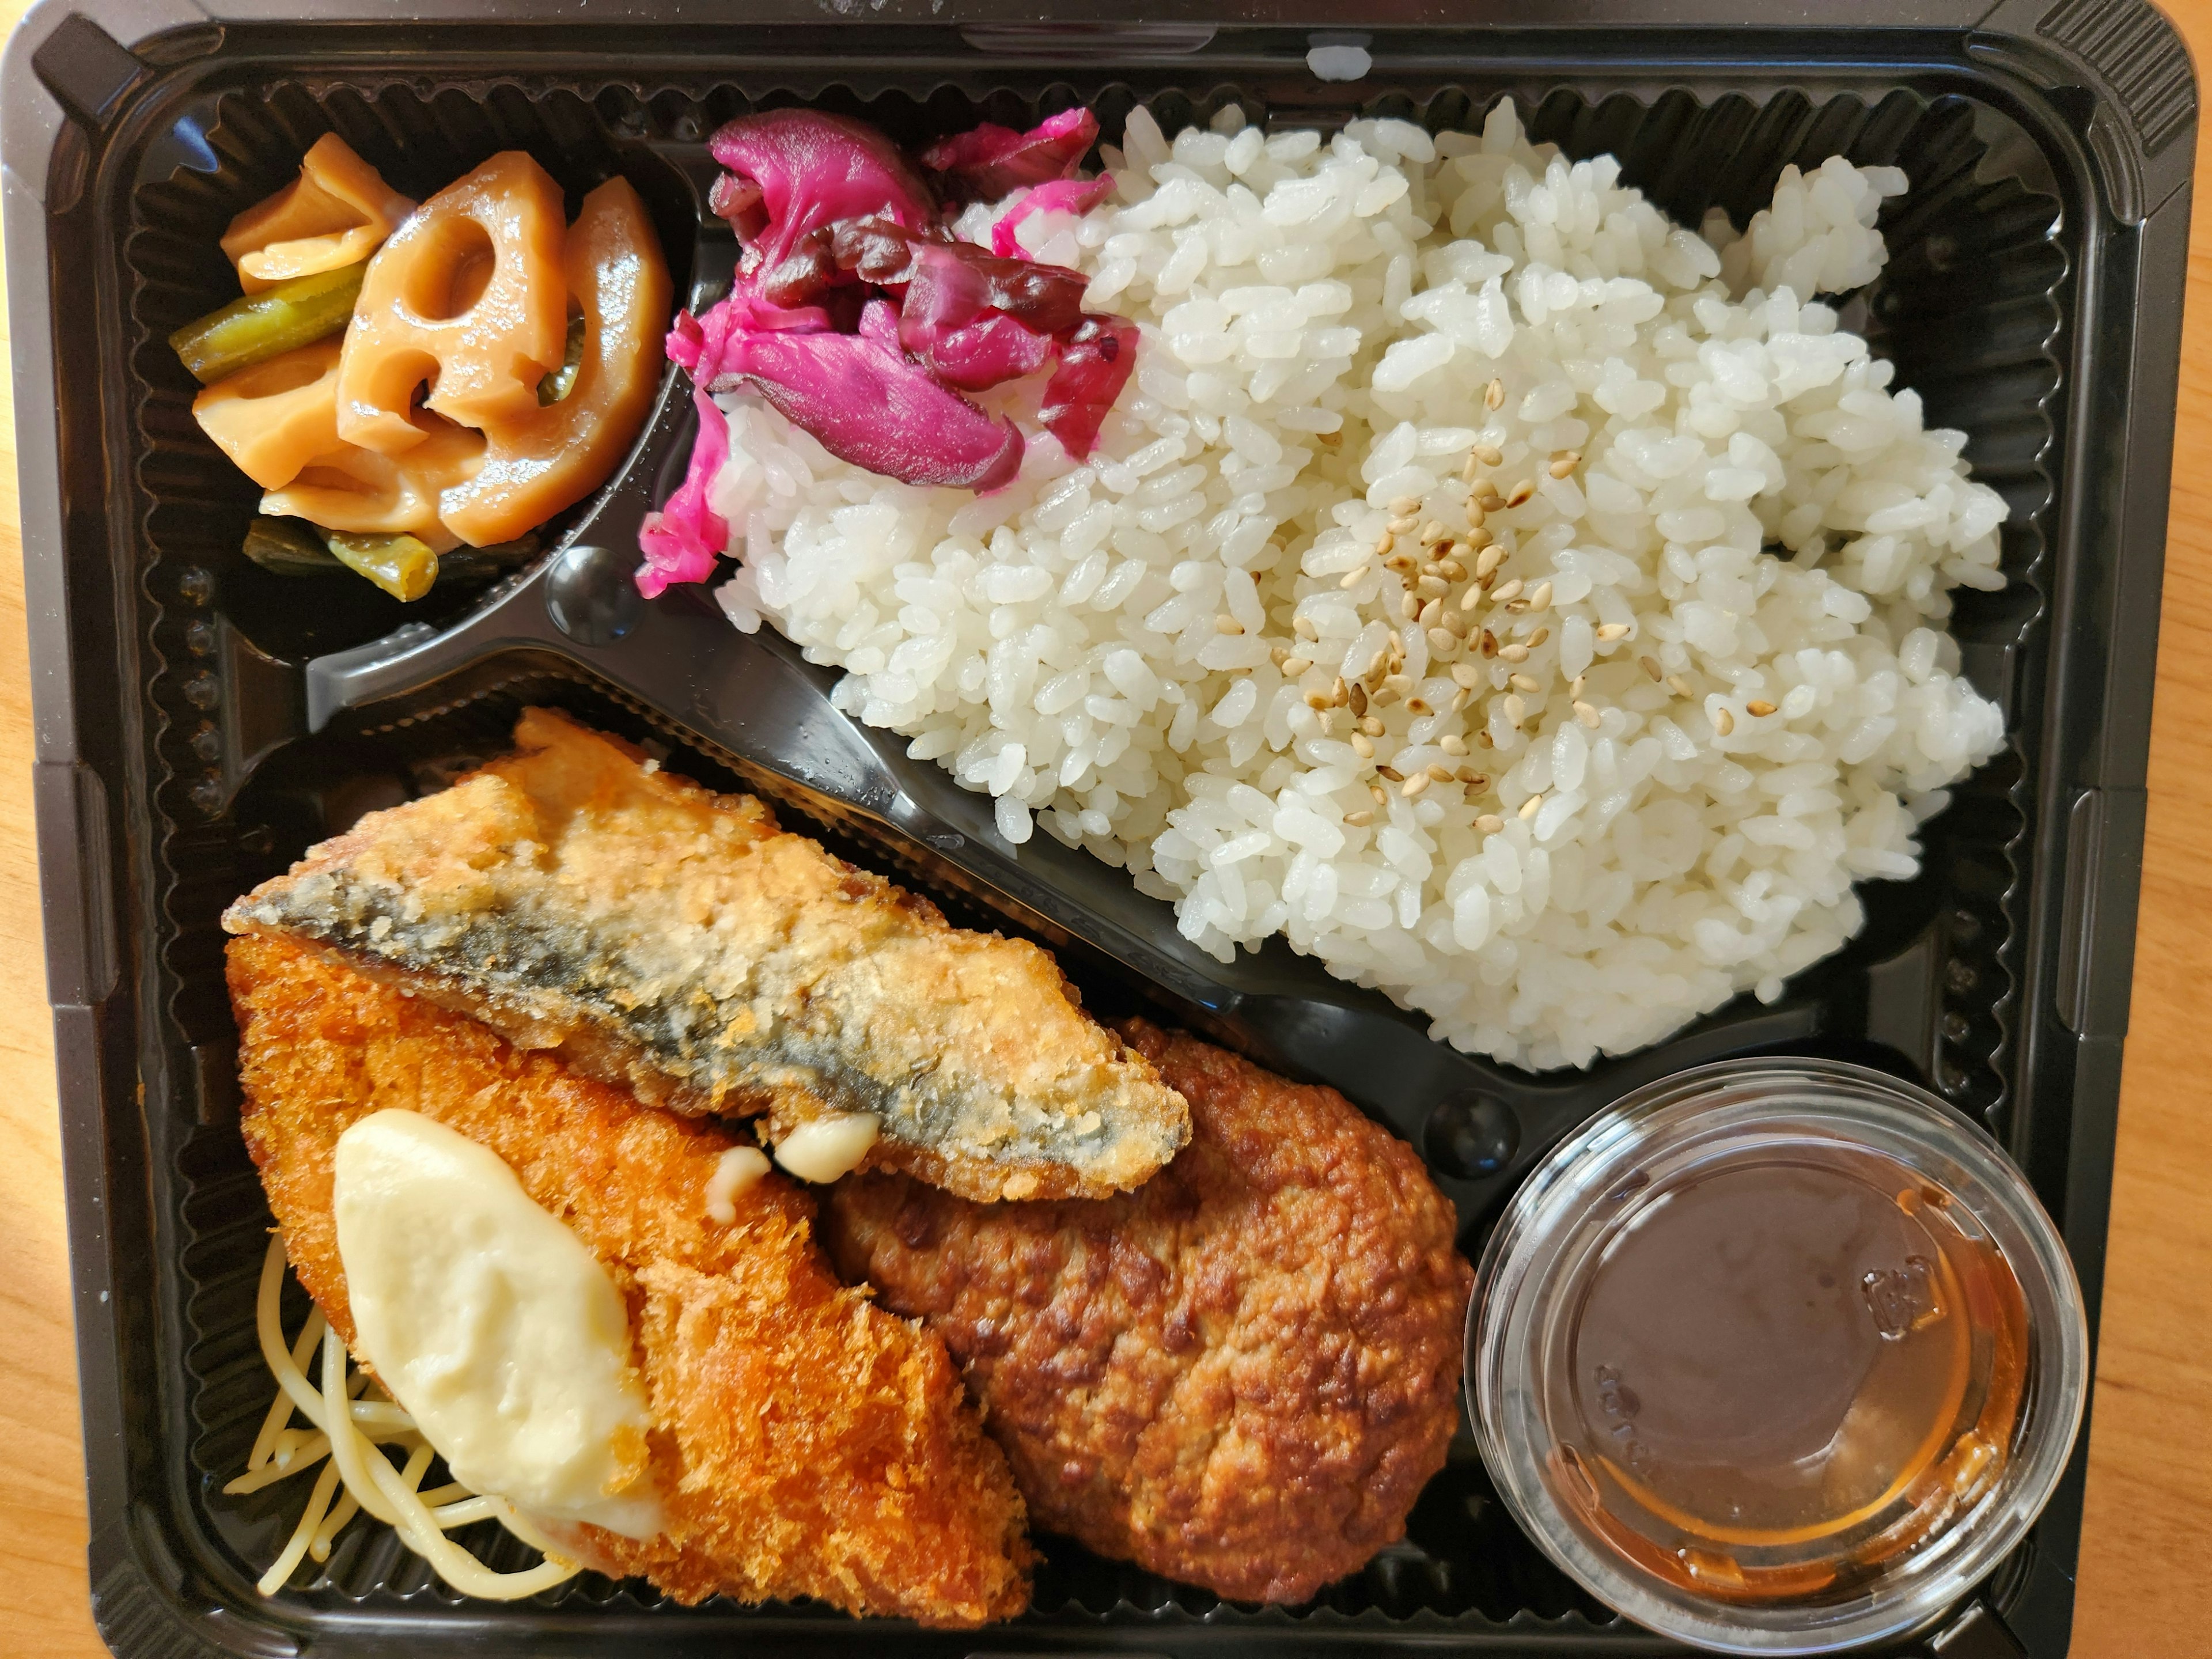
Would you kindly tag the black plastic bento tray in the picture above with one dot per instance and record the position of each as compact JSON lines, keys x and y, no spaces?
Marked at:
{"x":198,"y":721}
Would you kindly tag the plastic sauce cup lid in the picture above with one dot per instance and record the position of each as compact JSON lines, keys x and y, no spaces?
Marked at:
{"x":1777,"y":1357}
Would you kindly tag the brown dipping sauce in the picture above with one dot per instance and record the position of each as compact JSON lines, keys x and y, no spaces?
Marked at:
{"x":1785,"y":1369}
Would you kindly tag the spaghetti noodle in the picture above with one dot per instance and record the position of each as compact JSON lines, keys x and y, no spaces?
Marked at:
{"x":352,"y":1419}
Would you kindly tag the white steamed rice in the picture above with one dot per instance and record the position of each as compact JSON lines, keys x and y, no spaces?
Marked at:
{"x":1104,"y":647}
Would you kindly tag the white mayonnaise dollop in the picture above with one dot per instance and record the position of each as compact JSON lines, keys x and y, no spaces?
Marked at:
{"x":737,"y":1172}
{"x":492,"y":1324}
{"x":828,"y":1147}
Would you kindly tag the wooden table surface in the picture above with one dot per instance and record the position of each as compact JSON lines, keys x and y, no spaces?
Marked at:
{"x":2146,"y":1566}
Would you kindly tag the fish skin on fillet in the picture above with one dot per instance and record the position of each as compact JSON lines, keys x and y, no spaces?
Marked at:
{"x":676,"y":943}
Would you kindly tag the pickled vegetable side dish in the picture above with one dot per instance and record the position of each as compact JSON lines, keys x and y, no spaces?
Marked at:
{"x":416,"y":389}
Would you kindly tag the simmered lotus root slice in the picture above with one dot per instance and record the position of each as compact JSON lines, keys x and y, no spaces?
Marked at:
{"x":336,"y":213}
{"x":358,"y":490}
{"x":467,"y":295}
{"x":275,"y":417}
{"x":553,"y":456}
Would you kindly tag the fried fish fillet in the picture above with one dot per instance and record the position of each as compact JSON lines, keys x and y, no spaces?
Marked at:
{"x":654,"y":935}
{"x":804,"y":1443}
{"x":1240,"y":1376}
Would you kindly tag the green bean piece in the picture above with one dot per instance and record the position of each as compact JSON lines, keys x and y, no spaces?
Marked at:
{"x":483,"y":564}
{"x":293,"y":547}
{"x":403,"y":566}
{"x":523,"y":548}
{"x":258,"y":326}
{"x":562,"y":380}
{"x":288,"y":547}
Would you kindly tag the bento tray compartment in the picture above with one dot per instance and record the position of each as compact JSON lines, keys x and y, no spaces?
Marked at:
{"x":1975,"y":307}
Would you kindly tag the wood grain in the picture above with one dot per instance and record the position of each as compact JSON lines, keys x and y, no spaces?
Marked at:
{"x":2146,"y":1569}
{"x":2145,"y":1585}
{"x":45,"y":1604}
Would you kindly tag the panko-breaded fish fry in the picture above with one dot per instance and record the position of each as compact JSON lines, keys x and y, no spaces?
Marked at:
{"x":802,"y":1442}
{"x":673,"y":941}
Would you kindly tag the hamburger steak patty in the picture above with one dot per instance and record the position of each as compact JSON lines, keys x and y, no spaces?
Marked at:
{"x":1239,"y":1376}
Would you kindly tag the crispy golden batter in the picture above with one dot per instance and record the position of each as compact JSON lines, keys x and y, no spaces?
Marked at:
{"x":803,"y":1442}
{"x":673,"y":941}
{"x":1240,"y":1374}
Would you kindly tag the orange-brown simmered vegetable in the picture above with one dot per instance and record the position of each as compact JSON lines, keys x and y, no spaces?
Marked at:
{"x":483,"y":293}
{"x":467,"y":295}
{"x":271,"y":420}
{"x":363,"y":493}
{"x":550,"y":457}
{"x":278,"y":423}
{"x":336,"y":213}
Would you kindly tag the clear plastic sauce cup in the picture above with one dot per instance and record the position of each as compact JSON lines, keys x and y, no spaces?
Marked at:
{"x":1776,"y":1355}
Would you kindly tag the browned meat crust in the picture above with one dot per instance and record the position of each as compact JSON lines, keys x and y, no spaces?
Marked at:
{"x":1240,"y":1374}
{"x":803,"y":1442}
{"x":675,"y":942}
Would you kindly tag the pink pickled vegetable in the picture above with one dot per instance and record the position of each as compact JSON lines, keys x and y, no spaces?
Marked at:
{"x":1094,"y":367}
{"x":700,"y":343}
{"x":975,"y":320}
{"x":800,"y":170}
{"x":859,"y":316}
{"x":1059,"y":196}
{"x":739,"y":200}
{"x":866,"y":404}
{"x":985,"y":350}
{"x":989,"y":160}
{"x":682,"y":541}
{"x":687,"y":341}
{"x":972,"y":318}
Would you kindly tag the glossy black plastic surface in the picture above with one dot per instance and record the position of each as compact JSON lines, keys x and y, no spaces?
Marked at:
{"x":202,"y":721}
